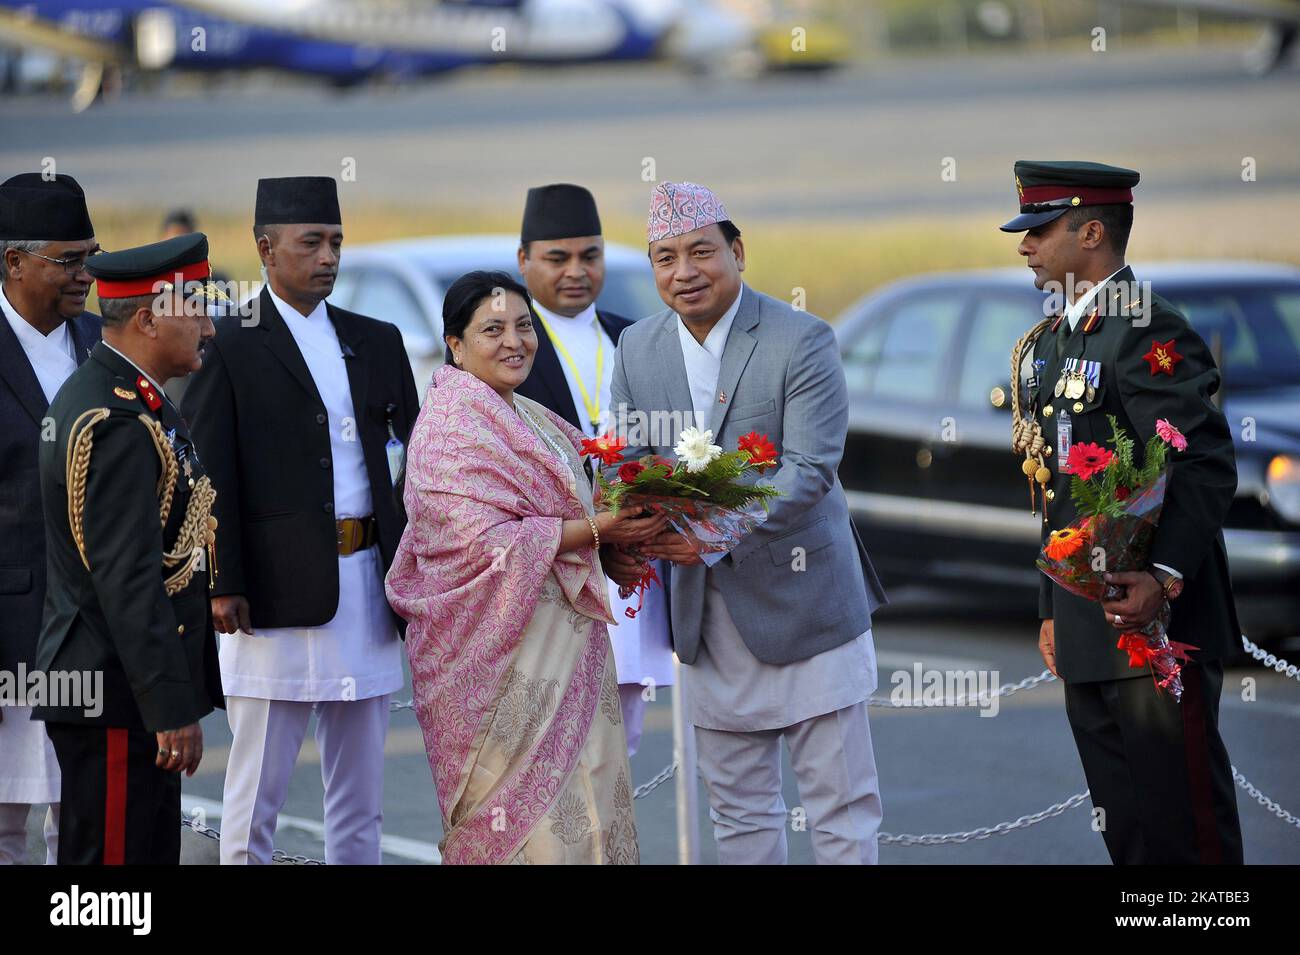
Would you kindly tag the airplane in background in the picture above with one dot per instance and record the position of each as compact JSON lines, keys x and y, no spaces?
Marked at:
{"x":692,"y":31}
{"x":347,"y":43}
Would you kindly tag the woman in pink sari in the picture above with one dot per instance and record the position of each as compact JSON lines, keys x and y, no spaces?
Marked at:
{"x":499,"y":578}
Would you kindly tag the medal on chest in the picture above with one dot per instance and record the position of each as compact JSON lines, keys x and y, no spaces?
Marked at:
{"x":1079,"y":377}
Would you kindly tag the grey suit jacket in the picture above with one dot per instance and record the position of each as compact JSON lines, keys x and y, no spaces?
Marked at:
{"x":801,"y":583}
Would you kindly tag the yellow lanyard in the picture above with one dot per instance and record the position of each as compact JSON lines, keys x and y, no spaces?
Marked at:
{"x":593,"y":407}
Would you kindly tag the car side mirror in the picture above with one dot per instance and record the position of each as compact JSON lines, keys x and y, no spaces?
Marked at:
{"x":1000,"y":398}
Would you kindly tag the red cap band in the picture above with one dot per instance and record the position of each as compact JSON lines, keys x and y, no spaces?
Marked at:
{"x":1088,"y":195}
{"x":129,"y":288}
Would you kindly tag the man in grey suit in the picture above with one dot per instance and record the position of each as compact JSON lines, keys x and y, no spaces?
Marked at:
{"x":777,"y":635}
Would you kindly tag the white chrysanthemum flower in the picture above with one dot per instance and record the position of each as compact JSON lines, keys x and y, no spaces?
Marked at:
{"x":696,"y":450}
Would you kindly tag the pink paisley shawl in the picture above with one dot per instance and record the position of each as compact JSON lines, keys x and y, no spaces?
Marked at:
{"x":486,"y":500}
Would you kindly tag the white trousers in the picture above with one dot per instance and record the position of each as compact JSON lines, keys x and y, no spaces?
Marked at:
{"x":633,"y":703}
{"x":836,"y":769}
{"x":267,"y":737}
{"x":13,"y":833}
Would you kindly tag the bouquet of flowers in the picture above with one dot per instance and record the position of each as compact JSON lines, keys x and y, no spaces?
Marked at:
{"x":705,"y":493}
{"x":1119,"y":507}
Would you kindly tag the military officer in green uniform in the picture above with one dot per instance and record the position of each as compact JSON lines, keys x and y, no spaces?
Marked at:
{"x":1159,"y":774}
{"x":130,"y":539}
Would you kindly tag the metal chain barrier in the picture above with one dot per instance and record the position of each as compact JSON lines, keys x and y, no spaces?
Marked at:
{"x":660,"y":778}
{"x":1263,"y":800}
{"x":1001,"y":829}
{"x":1006,"y":689}
{"x":277,"y":855}
{"x":1269,"y":660}
{"x":885,"y":838}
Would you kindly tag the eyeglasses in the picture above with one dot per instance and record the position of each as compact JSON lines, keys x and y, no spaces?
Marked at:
{"x":70,"y":265}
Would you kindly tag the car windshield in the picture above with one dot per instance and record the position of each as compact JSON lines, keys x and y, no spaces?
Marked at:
{"x":1254,"y":332}
{"x":629,"y":292}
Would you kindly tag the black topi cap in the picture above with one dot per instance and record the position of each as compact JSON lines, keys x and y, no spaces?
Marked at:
{"x":296,"y":199}
{"x":150,"y":269}
{"x":34,"y":208}
{"x":1050,"y":189}
{"x":559,"y":211}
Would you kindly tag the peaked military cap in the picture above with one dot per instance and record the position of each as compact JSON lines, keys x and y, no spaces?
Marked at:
{"x":149,"y":269}
{"x":1048,"y":190}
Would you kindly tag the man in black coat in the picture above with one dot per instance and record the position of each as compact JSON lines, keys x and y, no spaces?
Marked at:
{"x":45,"y":236}
{"x":1160,"y":777}
{"x":303,"y":411}
{"x":562,"y":260}
{"x":130,"y":541}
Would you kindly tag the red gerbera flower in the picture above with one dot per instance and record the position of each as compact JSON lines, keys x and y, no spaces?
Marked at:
{"x":761,"y":451}
{"x":1085,"y":460}
{"x":628,"y":472}
{"x":607,"y":447}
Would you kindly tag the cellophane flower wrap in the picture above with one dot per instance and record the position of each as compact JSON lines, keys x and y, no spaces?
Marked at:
{"x":709,"y":495}
{"x":1119,"y":505}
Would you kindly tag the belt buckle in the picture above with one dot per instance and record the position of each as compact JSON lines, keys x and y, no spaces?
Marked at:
{"x":353,"y":533}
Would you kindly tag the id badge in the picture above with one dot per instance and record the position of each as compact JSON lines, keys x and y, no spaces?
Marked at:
{"x":396,"y":456}
{"x":393,"y":448}
{"x":1064,"y":432}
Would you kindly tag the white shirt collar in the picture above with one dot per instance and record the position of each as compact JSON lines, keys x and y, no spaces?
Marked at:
{"x":149,"y":378}
{"x":287,"y":311}
{"x":581,"y":320}
{"x":1074,"y":312}
{"x":29,"y":336}
{"x":716,"y":341}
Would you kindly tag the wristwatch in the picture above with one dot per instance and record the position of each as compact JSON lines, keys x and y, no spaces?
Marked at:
{"x":1170,"y":584}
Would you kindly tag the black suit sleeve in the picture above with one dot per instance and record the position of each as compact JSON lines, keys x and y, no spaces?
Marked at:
{"x":1044,"y":597}
{"x":210,"y":412}
{"x":1203,"y":479}
{"x":410,"y":394}
{"x":124,"y":548}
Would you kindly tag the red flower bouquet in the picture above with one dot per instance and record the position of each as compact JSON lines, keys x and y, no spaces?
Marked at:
{"x":707,"y":493}
{"x":1119,"y":508}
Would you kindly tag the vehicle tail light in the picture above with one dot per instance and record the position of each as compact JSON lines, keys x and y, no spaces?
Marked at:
{"x":1283,"y":483}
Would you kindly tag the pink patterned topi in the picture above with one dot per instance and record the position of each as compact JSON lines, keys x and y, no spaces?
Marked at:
{"x":680,"y":207}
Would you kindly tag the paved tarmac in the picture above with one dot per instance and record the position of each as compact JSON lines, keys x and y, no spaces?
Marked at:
{"x":942,"y":770}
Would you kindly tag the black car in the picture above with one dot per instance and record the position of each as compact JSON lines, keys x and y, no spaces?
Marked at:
{"x":928,"y":468}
